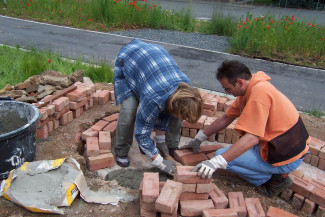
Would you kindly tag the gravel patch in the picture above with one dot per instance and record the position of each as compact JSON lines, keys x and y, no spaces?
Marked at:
{"x":202,"y":41}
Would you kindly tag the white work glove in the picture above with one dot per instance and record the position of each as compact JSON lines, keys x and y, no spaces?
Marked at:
{"x":196,"y":142}
{"x":208,"y":167}
{"x":166,"y":166}
{"x":161,"y":145}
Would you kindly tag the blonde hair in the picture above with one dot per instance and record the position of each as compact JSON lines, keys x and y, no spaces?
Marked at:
{"x":185,"y":103}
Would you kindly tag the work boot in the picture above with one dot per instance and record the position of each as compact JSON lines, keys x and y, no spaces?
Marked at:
{"x":122,"y":161}
{"x":277,"y":184}
{"x":171,"y":151}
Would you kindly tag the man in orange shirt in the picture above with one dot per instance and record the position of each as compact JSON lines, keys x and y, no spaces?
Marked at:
{"x":274,"y":139}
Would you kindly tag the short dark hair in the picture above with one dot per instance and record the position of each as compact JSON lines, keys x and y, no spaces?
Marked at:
{"x":233,"y":69}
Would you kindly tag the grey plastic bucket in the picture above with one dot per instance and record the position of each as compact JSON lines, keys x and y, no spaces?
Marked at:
{"x":19,"y":145}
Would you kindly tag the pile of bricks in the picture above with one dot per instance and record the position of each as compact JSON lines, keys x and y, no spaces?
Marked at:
{"x":306,"y":194}
{"x":190,"y":195}
{"x":316,"y":157}
{"x":68,"y":104}
{"x":99,"y":139}
{"x":212,"y":106}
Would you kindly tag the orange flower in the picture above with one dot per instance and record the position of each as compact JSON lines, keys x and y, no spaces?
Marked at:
{"x":286,"y":19}
{"x":313,"y":25}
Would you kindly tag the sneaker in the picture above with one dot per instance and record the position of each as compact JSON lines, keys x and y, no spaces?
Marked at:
{"x":122,"y":161}
{"x":277,"y":184}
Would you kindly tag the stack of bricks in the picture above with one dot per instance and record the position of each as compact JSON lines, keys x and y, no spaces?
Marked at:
{"x":316,"y":157}
{"x":99,"y":140}
{"x":306,"y":194}
{"x":211,"y":105}
{"x":188,"y":158}
{"x":190,"y":195}
{"x":63,"y":109}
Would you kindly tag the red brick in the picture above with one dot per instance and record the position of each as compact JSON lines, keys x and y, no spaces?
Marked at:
{"x":193,"y":133}
{"x":276,"y":212}
{"x":44,"y":114}
{"x":111,"y":95}
{"x":161,"y":185}
{"x":150,"y":187}
{"x":50,"y":126}
{"x":111,"y":127}
{"x":78,"y":112}
{"x":297,"y":201}
{"x":193,"y":196}
{"x":301,"y":186}
{"x":60,"y":103}
{"x":315,"y":145}
{"x":322,"y":153}
{"x":88,"y":133}
{"x":254,"y":207}
{"x":320,"y":211}
{"x":185,"y":132}
{"x":318,"y":196}
{"x":178,"y":154}
{"x":197,"y":125}
{"x":321,"y":164}
{"x":193,"y":160}
{"x":56,"y":123}
{"x":77,"y":95}
{"x":22,"y":85}
{"x":203,"y":94}
{"x":92,"y":147}
{"x":58,"y":115}
{"x":90,"y":102}
{"x":100,"y":161}
{"x":206,"y":149}
{"x":50,"y":109}
{"x":42,"y":132}
{"x":314,"y":160}
{"x":287,"y":194}
{"x":188,"y":187}
{"x":237,"y":202}
{"x":221,"y":104}
{"x":144,"y":205}
{"x":210,"y":104}
{"x":307,"y":158}
{"x":195,"y":207}
{"x":100,"y":125}
{"x":203,"y":187}
{"x":104,"y":151}
{"x":308,"y":207}
{"x":297,"y":173}
{"x":76,"y":105}
{"x":169,"y":196}
{"x":42,"y":123}
{"x":316,"y":182}
{"x":218,"y":197}
{"x":208,"y":112}
{"x":184,"y":175}
{"x":111,"y":118}
{"x":235,"y":137}
{"x":220,"y":213}
{"x":103,"y":97}
{"x":105,"y":140}
{"x":95,"y":98}
{"x":221,"y":137}
{"x":174,"y":213}
{"x":147,"y":213}
{"x":64,"y":119}
{"x":86,"y":106}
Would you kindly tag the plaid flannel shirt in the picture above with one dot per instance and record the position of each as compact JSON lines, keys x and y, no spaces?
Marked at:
{"x":149,"y":73}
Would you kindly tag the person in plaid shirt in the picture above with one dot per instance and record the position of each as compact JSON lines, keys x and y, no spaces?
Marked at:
{"x":154,"y":94}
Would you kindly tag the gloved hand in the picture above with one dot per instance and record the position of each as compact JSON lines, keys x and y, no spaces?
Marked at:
{"x":196,"y":142}
{"x":161,"y":145}
{"x":208,"y":167}
{"x":165,"y":166}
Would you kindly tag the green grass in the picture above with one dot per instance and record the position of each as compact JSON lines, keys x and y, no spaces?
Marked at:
{"x":282,"y":40}
{"x":278,"y":40}
{"x":17,"y":65}
{"x":315,"y":112}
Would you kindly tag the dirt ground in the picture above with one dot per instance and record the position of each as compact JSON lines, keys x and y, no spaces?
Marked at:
{"x":64,"y":142}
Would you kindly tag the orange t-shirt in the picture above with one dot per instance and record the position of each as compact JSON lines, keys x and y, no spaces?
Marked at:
{"x":264,"y":112}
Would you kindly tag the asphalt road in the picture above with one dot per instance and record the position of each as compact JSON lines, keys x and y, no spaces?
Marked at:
{"x":304,"y":86}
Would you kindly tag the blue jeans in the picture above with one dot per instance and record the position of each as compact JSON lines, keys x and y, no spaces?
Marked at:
{"x":251,"y":167}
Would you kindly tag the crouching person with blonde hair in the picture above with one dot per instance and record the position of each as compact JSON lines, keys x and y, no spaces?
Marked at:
{"x":154,"y":94}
